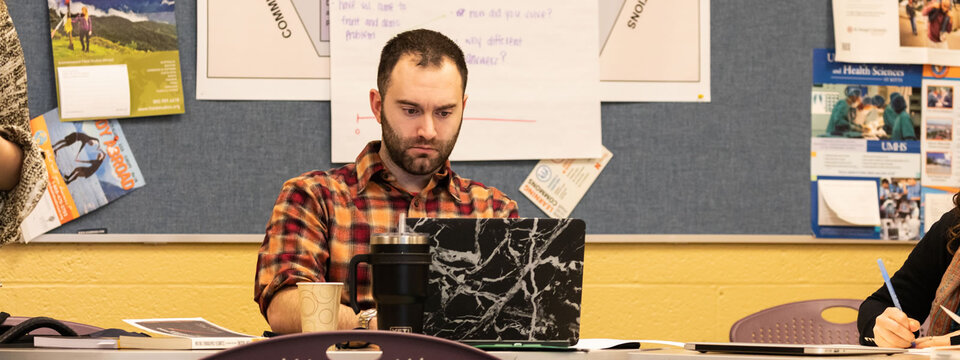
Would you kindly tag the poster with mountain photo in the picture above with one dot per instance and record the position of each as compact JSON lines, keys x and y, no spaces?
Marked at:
{"x":115,"y":58}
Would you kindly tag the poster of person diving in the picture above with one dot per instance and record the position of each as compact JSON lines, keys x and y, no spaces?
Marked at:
{"x":865,"y":149}
{"x":115,"y":58}
{"x":89,"y":164}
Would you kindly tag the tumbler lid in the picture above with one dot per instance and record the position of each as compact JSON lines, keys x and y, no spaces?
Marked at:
{"x":406,"y":238}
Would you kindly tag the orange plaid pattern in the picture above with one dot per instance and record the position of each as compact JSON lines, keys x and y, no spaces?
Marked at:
{"x":322,"y":219}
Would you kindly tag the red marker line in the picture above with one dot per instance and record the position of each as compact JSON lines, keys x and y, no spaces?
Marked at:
{"x":504,"y":120}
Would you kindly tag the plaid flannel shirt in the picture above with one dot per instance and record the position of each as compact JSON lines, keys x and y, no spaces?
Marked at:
{"x":322,"y":219}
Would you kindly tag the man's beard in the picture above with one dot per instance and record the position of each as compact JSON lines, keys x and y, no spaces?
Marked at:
{"x":421,"y":165}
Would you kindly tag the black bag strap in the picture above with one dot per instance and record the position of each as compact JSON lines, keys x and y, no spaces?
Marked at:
{"x":18,"y":331}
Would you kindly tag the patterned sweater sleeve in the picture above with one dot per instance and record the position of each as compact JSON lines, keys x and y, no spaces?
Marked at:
{"x":17,"y":203}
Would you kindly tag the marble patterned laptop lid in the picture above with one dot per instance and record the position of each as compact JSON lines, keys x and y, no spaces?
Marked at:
{"x":502,"y":280}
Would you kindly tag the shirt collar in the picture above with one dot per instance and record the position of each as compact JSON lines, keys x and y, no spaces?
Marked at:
{"x":369,"y":164}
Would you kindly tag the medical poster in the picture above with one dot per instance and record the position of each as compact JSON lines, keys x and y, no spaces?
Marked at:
{"x":899,"y":32}
{"x":532,"y":90}
{"x":557,"y":185}
{"x":864,"y":149}
{"x":263,"y":50}
{"x":115,"y":58}
{"x":940,"y":120}
{"x":655,"y":50}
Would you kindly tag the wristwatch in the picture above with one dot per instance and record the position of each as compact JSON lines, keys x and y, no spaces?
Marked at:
{"x":365,"y":317}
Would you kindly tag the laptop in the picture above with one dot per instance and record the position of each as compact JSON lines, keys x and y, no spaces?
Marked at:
{"x":496,"y":282}
{"x":789,"y":349}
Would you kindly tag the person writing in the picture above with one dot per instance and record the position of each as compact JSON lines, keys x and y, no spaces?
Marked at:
{"x":322,"y":219}
{"x":929,"y":278}
{"x":22,"y":171}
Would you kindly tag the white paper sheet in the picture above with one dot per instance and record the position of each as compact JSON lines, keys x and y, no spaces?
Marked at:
{"x":280,"y":50}
{"x":533,"y":70}
{"x":655,"y":50}
{"x":43,"y":218}
{"x":937,"y":352}
{"x":848,"y":203}
{"x":94,"y":91}
{"x":934,"y":206}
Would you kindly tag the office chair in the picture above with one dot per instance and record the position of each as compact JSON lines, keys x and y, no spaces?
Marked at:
{"x":394,"y":345}
{"x":798,"y":322}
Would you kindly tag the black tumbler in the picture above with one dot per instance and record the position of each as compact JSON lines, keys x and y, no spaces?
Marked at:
{"x":400,"y":264}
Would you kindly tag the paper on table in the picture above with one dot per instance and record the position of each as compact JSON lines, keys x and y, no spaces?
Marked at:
{"x":184,"y":327}
{"x":931,"y":350}
{"x":848,"y":203}
{"x":94,"y":91}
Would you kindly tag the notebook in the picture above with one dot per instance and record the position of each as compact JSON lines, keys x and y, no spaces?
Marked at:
{"x":789,"y":349}
{"x":504,"y":281}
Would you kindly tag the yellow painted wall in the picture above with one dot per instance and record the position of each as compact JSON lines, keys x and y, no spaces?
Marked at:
{"x":685,"y":292}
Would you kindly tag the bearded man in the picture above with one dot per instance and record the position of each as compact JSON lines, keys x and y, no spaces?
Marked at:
{"x":322,"y":219}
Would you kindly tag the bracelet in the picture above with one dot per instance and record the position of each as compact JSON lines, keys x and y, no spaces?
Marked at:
{"x":365,"y":317}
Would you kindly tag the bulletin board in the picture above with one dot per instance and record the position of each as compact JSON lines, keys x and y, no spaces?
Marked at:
{"x":736,"y":165}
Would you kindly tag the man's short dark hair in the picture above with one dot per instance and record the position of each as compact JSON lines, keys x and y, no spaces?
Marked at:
{"x":429,"y":45}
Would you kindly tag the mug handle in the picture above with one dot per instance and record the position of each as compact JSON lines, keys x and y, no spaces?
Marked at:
{"x":352,"y":280}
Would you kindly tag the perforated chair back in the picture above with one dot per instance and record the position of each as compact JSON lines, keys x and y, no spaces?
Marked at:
{"x":314,"y":346}
{"x":80,"y":329}
{"x":799,"y":322}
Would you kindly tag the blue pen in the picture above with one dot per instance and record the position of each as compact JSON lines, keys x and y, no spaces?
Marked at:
{"x":893,"y":295}
{"x":886,"y":279}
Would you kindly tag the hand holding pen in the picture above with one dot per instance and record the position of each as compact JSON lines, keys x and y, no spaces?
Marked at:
{"x":893,"y":327}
